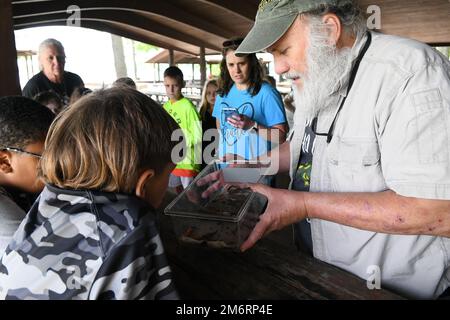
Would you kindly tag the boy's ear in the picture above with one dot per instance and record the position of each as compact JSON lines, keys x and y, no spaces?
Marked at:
{"x":5,"y":162}
{"x":143,"y":180}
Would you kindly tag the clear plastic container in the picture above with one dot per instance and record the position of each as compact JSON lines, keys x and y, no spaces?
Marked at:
{"x":225,"y":218}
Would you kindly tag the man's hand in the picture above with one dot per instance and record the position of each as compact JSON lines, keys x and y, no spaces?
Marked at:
{"x":284,"y":208}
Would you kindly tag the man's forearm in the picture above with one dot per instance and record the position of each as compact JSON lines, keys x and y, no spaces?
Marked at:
{"x":384,"y":212}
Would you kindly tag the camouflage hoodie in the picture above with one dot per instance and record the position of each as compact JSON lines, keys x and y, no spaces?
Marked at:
{"x":11,"y":215}
{"x":86,"y":245}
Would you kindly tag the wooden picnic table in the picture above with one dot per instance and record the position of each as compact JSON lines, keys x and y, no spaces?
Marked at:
{"x":270,"y":270}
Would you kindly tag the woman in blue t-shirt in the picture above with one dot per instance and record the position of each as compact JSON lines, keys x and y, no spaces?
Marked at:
{"x":249,"y":112}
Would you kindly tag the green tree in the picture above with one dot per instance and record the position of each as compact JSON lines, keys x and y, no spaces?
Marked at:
{"x":144,"y":47}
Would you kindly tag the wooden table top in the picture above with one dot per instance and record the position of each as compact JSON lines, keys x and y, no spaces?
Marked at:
{"x":271,"y":270}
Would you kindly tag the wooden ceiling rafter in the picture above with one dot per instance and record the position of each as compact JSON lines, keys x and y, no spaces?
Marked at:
{"x":161,"y":8}
{"x":185,"y":24}
{"x":246,"y":10}
{"x":123,"y":17}
{"x":114,"y":28}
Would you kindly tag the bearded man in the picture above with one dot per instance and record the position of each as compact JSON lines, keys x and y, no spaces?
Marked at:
{"x":369,"y":152}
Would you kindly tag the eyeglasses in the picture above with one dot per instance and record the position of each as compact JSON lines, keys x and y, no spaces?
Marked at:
{"x":18,"y":150}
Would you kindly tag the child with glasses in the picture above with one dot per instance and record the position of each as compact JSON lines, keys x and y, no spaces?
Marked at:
{"x":23,"y":126}
{"x":92,"y":233}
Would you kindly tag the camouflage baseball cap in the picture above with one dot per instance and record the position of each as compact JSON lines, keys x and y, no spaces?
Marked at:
{"x":274,"y":18}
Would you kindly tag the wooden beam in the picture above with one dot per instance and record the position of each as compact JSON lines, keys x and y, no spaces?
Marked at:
{"x":243,"y":9}
{"x":159,"y":72}
{"x":202,"y":66}
{"x":114,"y":28}
{"x":9,"y":73}
{"x":171,"y":58}
{"x":161,"y":8}
{"x":426,"y":21}
{"x":139,"y":21}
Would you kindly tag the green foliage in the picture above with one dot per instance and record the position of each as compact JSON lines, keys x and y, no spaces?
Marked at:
{"x":444,"y":50}
{"x":144,"y":47}
{"x":215,"y":70}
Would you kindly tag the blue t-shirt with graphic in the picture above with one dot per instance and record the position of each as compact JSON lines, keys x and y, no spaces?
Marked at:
{"x":266,"y":108}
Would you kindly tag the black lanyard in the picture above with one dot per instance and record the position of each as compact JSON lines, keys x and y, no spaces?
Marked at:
{"x":350,"y":84}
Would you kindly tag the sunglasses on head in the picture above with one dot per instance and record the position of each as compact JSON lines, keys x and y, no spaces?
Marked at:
{"x":232,"y":43}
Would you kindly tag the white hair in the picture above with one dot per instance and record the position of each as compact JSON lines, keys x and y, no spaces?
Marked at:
{"x":350,"y":15}
{"x":51,"y":43}
{"x":325,"y":67}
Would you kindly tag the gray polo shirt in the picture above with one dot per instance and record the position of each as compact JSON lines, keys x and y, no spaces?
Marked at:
{"x":11,"y":215}
{"x":392,"y":133}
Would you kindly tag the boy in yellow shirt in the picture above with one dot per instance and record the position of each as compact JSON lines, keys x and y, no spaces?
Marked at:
{"x":185,"y":114}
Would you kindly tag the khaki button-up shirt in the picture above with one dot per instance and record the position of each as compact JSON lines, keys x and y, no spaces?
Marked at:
{"x":392,"y":133}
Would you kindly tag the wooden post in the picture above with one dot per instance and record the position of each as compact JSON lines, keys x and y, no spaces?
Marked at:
{"x":202,"y":66}
{"x":9,"y":73}
{"x":171,"y":58}
{"x":26,"y":64}
{"x":159,"y":73}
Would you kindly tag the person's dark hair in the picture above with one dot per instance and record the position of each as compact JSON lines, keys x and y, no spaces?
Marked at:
{"x":23,"y":121}
{"x":48,"y":98}
{"x":271,"y":80}
{"x":350,"y":15}
{"x":77,"y":93}
{"x":256,"y":71}
{"x":125,"y":81}
{"x":175,"y":73}
{"x":106,"y":140}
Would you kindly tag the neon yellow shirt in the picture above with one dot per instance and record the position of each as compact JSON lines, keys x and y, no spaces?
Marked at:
{"x":185,"y":114}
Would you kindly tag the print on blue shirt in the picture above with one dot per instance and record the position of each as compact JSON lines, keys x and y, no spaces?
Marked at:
{"x":266,"y":108}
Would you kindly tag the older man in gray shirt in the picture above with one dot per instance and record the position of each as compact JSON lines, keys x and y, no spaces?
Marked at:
{"x":369,"y":151}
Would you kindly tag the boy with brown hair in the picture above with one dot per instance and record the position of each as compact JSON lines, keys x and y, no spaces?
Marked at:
{"x":185,"y":114}
{"x":92,"y":232}
{"x":23,"y":126}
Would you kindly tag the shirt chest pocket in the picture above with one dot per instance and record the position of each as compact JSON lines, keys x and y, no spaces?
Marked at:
{"x":355,"y":166}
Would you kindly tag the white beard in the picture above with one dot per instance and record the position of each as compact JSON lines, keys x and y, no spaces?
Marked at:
{"x":325,"y":67}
